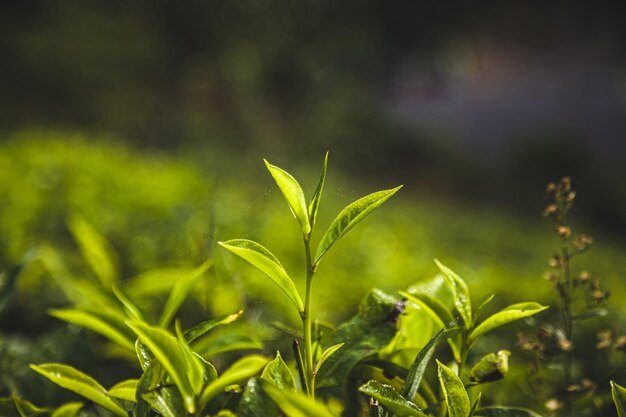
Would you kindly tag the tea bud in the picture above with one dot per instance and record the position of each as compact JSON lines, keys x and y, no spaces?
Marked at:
{"x":492,"y":367}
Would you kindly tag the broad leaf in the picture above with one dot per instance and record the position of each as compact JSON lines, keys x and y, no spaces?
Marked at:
{"x":68,"y":410}
{"x":315,"y":201}
{"x":364,"y":335}
{"x":453,"y":392}
{"x":350,"y":217}
{"x":462,"y":301}
{"x":241,"y":370}
{"x":293,"y":195}
{"x":297,"y":405}
{"x":267,"y":263}
{"x":391,"y":399}
{"x":80,"y":383}
{"x":509,"y":314}
{"x":204,"y":327}
{"x":325,"y":355}
{"x":497,"y":411}
{"x":619,"y":398}
{"x":416,"y":373}
{"x":278,"y":374}
{"x":100,"y":321}
{"x":180,"y":291}
{"x":437,"y":293}
{"x":125,"y":390}
{"x":97,"y":251}
{"x":166,"y":349}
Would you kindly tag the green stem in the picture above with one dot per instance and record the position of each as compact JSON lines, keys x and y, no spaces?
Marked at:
{"x":569,"y":330}
{"x":306,"y":320}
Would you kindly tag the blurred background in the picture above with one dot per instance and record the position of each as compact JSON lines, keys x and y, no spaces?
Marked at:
{"x":151,"y":119}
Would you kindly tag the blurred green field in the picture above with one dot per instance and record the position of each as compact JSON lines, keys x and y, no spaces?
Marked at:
{"x":170,"y":210}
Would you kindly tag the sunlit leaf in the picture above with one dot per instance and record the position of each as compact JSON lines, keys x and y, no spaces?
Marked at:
{"x":131,"y":309}
{"x":416,"y":373}
{"x":101,"y":322}
{"x":619,"y":398}
{"x":453,"y":391}
{"x":297,"y":405}
{"x":325,"y":355}
{"x":350,"y":217}
{"x":68,"y":410}
{"x":267,"y":263}
{"x":293,"y":195}
{"x":278,"y":374}
{"x":505,"y":316}
{"x":193,"y":365}
{"x":498,"y":411}
{"x":166,"y":401}
{"x":437,"y":293}
{"x":391,"y":399}
{"x":226,"y":343}
{"x":156,"y":281}
{"x":180,"y":291}
{"x":166,"y":349}
{"x":97,"y":251}
{"x":462,"y":301}
{"x":204,"y":327}
{"x":492,"y":367}
{"x":125,"y":390}
{"x":241,"y":370}
{"x":315,"y":201}
{"x":80,"y":383}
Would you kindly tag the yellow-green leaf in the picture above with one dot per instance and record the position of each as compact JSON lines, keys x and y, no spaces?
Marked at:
{"x":505,"y":316}
{"x":266,"y":262}
{"x":80,"y":383}
{"x":203,"y":328}
{"x":315,"y":201}
{"x":125,"y":390}
{"x":193,"y":363}
{"x":619,"y":398}
{"x":293,"y":195}
{"x":350,"y":217}
{"x":325,"y":355}
{"x":453,"y":392}
{"x":391,"y":399}
{"x":68,"y":410}
{"x":462,"y":301}
{"x":296,"y":405}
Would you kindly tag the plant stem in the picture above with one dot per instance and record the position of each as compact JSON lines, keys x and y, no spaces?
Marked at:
{"x":567,"y":324}
{"x":306,"y":320}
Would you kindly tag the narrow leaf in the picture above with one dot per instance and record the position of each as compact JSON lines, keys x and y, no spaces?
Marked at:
{"x":180,"y":291}
{"x":350,"y":217}
{"x":68,"y":410}
{"x":241,"y":370}
{"x":193,"y":365}
{"x":167,"y":351}
{"x":131,"y":309}
{"x":80,"y":383}
{"x":505,"y":316}
{"x":391,"y":399}
{"x":125,"y":390}
{"x":226,"y":343}
{"x":267,"y":263}
{"x":462,"y":301}
{"x":497,"y":411}
{"x":97,"y":251}
{"x":293,"y":195}
{"x":454,"y":392}
{"x":315,"y":201}
{"x":619,"y":398}
{"x":203,"y":328}
{"x":296,"y":405}
{"x":325,"y":355}
{"x":416,"y":373}
{"x":107,"y":326}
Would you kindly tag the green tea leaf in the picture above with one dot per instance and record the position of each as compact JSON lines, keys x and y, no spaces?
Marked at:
{"x":125,"y":390}
{"x":416,"y":373}
{"x":241,"y":370}
{"x":193,"y":365}
{"x":391,"y":399}
{"x":68,"y":410}
{"x":497,"y":411}
{"x":462,"y":301}
{"x":15,"y":407}
{"x":226,"y":343}
{"x":267,"y":263}
{"x":203,"y":328}
{"x":80,"y":383}
{"x":315,"y":201}
{"x":255,"y":402}
{"x":492,"y":367}
{"x":296,"y":405}
{"x":278,"y":374}
{"x":293,"y":195}
{"x":166,"y":401}
{"x":101,"y":322}
{"x":325,"y":355}
{"x":97,"y":251}
{"x":147,"y":383}
{"x":454,"y":392}
{"x":364,"y":335}
{"x":350,"y":217}
{"x":437,"y":293}
{"x":156,"y":281}
{"x":166,"y":349}
{"x":505,"y":316}
{"x":619,"y":398}
{"x":180,"y":291}
{"x":131,"y":309}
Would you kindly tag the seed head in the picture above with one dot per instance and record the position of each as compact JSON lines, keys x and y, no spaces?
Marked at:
{"x":550,"y":209}
{"x":563,"y":231}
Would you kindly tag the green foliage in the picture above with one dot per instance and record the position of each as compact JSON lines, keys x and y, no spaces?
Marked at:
{"x":454,"y":392}
{"x":391,"y":399}
{"x":618,"y":393}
